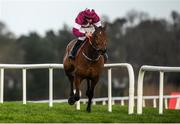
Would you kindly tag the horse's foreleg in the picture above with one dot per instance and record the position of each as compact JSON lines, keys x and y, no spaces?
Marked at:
{"x":71,"y":99}
{"x":91,"y":93}
{"x":88,"y":87}
{"x":77,"y":82}
{"x":71,"y":83}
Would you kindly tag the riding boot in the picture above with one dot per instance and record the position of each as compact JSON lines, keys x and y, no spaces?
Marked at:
{"x":73,"y":53}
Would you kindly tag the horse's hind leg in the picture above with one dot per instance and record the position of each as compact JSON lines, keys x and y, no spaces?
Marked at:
{"x":90,"y":93}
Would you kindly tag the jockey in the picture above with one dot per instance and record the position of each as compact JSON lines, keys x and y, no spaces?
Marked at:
{"x":84,"y":28}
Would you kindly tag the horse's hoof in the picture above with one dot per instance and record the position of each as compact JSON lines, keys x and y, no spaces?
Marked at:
{"x":76,"y":97}
{"x":71,"y":100}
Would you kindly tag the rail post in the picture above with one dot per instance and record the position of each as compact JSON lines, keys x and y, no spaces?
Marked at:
{"x":24,"y":86}
{"x":109,"y":91}
{"x":50,"y":87}
{"x":140,"y":91}
{"x":2,"y":86}
{"x":161,"y":92}
{"x":131,"y":89}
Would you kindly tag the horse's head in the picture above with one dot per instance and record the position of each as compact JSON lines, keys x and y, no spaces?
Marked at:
{"x":99,"y":39}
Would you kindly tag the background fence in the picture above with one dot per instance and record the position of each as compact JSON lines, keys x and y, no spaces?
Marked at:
{"x":160,"y":69}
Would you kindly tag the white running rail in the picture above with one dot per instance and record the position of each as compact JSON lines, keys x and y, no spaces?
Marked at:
{"x":160,"y":69}
{"x":25,"y":67}
{"x":122,"y":100}
{"x":131,"y":85}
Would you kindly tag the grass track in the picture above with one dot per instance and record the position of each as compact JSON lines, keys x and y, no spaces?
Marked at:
{"x":40,"y":112}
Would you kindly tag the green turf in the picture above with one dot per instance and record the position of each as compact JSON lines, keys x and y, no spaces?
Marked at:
{"x":40,"y":112}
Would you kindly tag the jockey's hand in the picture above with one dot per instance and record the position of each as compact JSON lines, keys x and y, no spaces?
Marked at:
{"x":88,"y":34}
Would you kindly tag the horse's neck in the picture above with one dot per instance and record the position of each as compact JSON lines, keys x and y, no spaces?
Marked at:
{"x":91,"y":52}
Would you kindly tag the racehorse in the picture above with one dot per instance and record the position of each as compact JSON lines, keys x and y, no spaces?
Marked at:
{"x":88,"y":64}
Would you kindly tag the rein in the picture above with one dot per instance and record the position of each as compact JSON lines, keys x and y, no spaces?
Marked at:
{"x":97,"y":49}
{"x":94,"y":47}
{"x":88,"y":58}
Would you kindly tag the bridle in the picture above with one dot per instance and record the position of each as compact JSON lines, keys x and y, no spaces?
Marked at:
{"x":98,"y":50}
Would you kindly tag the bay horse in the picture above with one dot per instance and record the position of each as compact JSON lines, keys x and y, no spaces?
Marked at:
{"x":88,"y":64}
